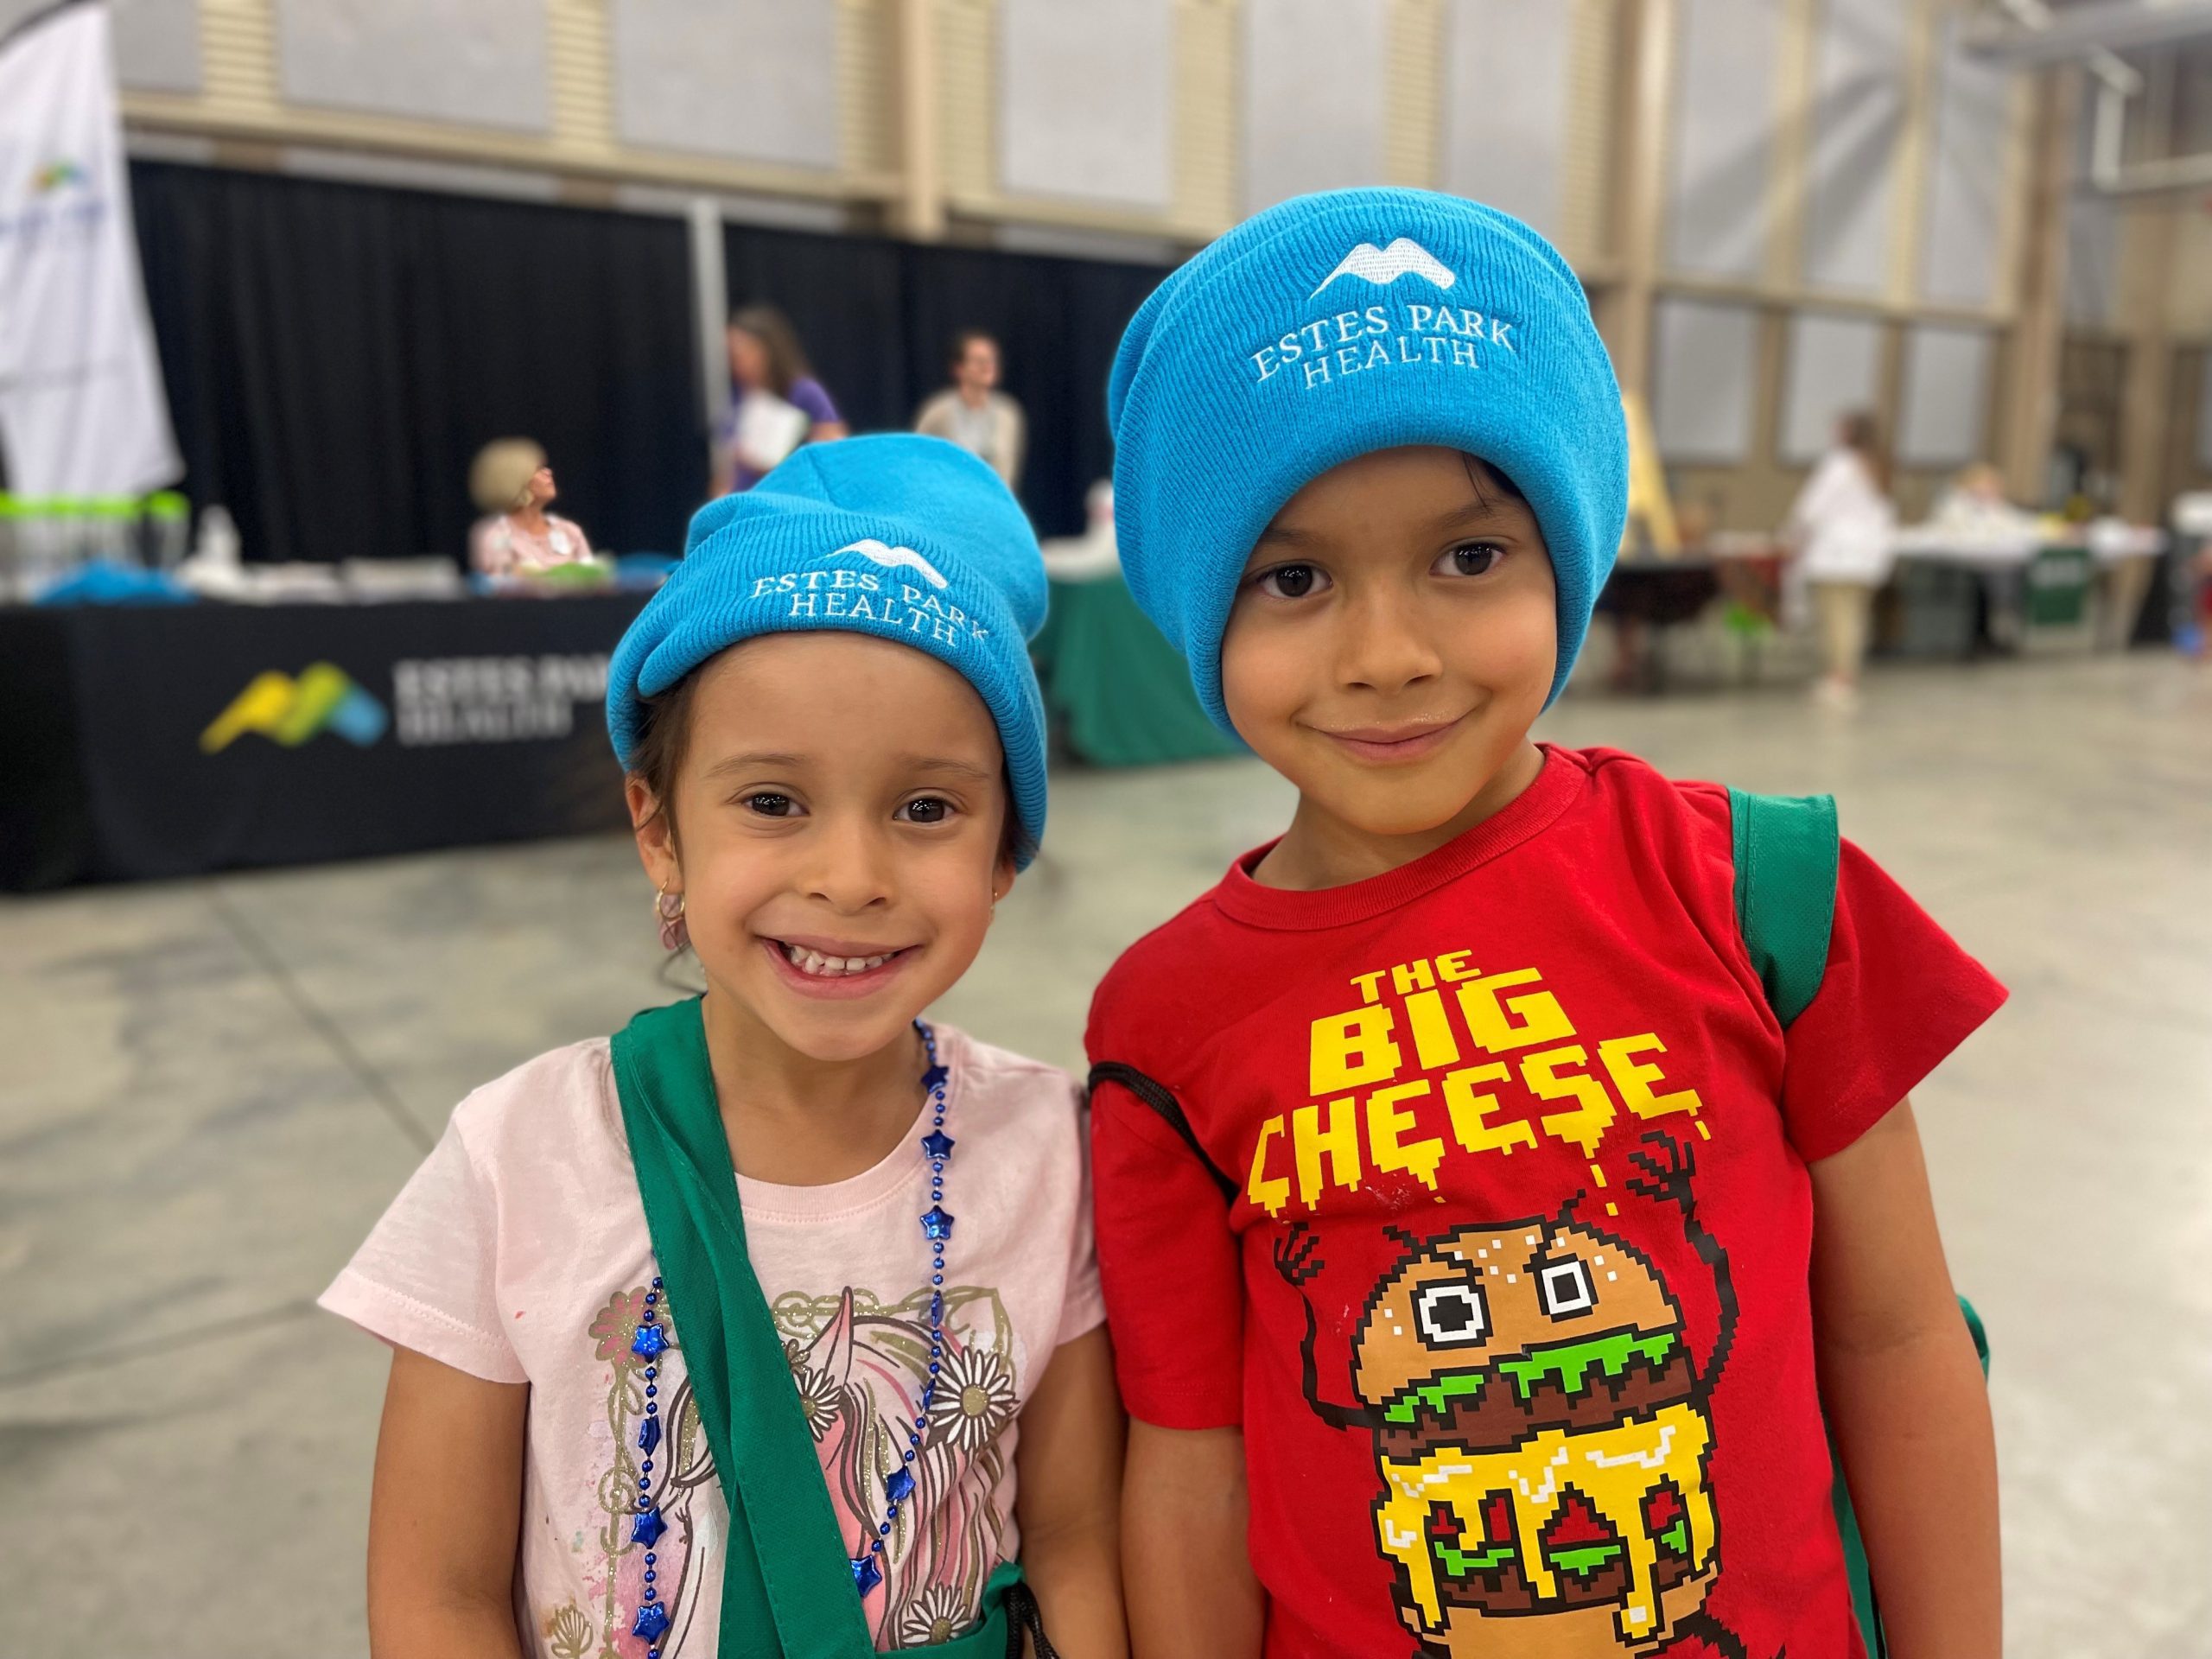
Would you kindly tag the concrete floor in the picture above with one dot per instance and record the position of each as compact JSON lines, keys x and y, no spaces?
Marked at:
{"x":210,"y":1089}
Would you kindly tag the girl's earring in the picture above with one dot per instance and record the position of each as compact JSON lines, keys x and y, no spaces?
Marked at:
{"x":668,"y":911}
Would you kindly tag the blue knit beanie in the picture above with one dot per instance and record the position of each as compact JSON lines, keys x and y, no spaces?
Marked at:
{"x":904,"y":538}
{"x":1334,"y":325}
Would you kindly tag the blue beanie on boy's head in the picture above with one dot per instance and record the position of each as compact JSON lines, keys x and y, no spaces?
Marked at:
{"x":902,"y":537}
{"x":1334,"y":325}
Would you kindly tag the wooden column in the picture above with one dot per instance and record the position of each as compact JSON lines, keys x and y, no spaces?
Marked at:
{"x":921,"y":207}
{"x":2030,"y":411}
{"x":1788,"y":177}
{"x":2150,"y":243}
{"x":1915,"y":153}
{"x":1648,"y":35}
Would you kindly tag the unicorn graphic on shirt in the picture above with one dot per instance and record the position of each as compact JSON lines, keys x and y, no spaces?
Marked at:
{"x":860,"y":1365}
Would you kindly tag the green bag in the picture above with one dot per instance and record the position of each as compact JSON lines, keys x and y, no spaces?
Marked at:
{"x":787,"y":1585}
{"x":1787,"y":850}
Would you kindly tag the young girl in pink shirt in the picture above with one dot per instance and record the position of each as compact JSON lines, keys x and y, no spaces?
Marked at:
{"x":773,"y":1325}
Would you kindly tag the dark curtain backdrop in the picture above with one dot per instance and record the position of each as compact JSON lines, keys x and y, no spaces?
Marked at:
{"x":335,"y":353}
{"x":877,"y":318}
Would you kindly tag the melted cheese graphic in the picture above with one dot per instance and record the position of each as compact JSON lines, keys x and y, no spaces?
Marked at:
{"x":1613,"y":1468}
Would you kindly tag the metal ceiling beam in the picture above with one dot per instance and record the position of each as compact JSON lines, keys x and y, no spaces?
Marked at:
{"x":2029,"y":34}
{"x":2061,"y":34}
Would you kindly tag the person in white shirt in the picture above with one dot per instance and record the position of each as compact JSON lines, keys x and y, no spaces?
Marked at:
{"x":973,"y":414}
{"x":1843,"y":529}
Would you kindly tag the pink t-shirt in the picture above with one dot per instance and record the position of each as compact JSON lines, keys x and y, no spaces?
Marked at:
{"x":518,"y":1252}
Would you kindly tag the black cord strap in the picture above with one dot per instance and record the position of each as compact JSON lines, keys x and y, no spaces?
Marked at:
{"x":1022,"y":1619}
{"x":1161,"y":1099}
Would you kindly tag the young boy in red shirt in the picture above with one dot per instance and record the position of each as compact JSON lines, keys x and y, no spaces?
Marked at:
{"x":1480,"y":1245}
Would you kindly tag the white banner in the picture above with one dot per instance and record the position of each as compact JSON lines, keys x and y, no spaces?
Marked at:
{"x":82,"y":411}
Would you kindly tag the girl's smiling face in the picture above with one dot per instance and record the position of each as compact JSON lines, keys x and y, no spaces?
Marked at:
{"x":835,"y":825}
{"x":1391,"y":643}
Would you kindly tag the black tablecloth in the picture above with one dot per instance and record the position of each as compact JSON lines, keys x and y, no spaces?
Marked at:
{"x":1660,"y":591}
{"x":167,"y":742}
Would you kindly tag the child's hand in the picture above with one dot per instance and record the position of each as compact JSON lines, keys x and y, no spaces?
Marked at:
{"x":1297,"y":1255}
{"x":1667,"y":1166}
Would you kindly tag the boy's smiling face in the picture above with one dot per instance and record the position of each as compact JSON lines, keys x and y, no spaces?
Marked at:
{"x":1392,"y":641}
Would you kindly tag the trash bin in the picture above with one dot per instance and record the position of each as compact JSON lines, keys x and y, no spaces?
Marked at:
{"x":1936,"y":610}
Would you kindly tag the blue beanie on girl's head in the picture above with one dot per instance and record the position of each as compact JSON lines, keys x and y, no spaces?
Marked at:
{"x":1334,"y":325}
{"x":902,"y":537}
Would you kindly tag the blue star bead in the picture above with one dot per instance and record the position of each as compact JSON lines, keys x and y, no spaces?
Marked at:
{"x":865,"y":1576}
{"x":649,"y":1436}
{"x":647,"y":1529}
{"x":938,"y":1144}
{"x":937,"y":1221}
{"x":898,"y":1486}
{"x":652,"y":1621}
{"x":649,"y":1341}
{"x":934,"y":1076}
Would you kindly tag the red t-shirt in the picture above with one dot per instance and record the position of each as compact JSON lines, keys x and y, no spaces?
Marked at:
{"x":1498,"y":1252}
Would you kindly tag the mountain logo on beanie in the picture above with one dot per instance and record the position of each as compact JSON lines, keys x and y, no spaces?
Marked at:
{"x":1383,"y":266}
{"x":893,"y":558}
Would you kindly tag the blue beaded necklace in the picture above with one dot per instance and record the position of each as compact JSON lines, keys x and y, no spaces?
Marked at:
{"x":646,"y":1526}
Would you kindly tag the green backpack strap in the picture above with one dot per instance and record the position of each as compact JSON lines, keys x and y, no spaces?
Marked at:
{"x":1787,"y":850}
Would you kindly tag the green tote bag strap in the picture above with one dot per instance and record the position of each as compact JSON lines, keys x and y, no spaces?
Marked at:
{"x":787,"y":1585}
{"x":1787,"y":850}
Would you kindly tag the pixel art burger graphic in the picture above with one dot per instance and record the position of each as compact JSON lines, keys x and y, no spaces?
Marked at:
{"x":1541,"y":1429}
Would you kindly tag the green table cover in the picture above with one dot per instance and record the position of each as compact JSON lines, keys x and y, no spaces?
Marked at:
{"x":1115,"y":687}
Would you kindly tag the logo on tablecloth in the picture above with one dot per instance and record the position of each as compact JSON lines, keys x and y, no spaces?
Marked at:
{"x":290,"y":710}
{"x":448,"y":700}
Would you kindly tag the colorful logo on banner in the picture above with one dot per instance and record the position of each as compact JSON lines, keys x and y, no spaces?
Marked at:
{"x":290,"y":711}
{"x":54,"y":175}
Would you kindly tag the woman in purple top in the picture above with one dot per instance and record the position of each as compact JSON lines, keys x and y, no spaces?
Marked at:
{"x":776,"y":404}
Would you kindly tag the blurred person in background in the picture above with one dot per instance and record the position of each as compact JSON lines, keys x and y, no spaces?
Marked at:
{"x":1842,"y":529}
{"x":513,"y":485}
{"x":972,"y":413}
{"x":1974,"y":504}
{"x":776,"y":404}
